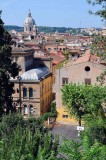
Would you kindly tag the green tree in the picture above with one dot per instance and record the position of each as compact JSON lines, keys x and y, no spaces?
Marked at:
{"x":102,"y":10}
{"x":98,"y":46}
{"x":101,"y":78}
{"x":83,"y":99}
{"x":92,"y":143}
{"x":26,"y":139}
{"x":7,"y":69}
{"x":99,"y":42}
{"x":52,"y":113}
{"x":71,"y":150}
{"x":66,"y":53}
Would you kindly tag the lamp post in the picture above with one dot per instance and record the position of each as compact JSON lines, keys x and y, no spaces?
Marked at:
{"x":19,"y":79}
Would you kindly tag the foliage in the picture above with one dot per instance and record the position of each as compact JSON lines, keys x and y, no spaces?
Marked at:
{"x":102,"y":11}
{"x":101,"y":78}
{"x":66,"y":53}
{"x":9,"y":122}
{"x":83,"y":99}
{"x":99,"y":42}
{"x":26,"y":139}
{"x":95,"y":128}
{"x":7,"y":69}
{"x":92,"y":144}
{"x":98,"y":47}
{"x":82,"y":150}
{"x":70,"y":150}
{"x":52,"y":113}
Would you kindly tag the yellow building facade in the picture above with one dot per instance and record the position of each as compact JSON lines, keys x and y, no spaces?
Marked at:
{"x":33,"y":86}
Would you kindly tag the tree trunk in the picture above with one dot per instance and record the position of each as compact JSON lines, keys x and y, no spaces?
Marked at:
{"x":79,"y":121}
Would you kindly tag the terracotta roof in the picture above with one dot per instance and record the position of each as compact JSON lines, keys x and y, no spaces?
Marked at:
{"x":88,"y":57}
{"x":57,"y":59}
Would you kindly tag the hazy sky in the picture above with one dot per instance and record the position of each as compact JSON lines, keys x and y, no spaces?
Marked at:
{"x":58,"y":13}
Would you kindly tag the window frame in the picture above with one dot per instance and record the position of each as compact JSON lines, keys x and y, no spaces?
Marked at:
{"x":87,"y":81}
{"x":64,"y":80}
{"x":31,"y":107}
{"x":65,"y":116}
{"x":30,"y":92}
{"x":24,"y":92}
{"x":25,"y":109}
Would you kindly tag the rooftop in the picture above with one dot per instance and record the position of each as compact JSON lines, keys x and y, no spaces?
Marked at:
{"x":35,"y":74}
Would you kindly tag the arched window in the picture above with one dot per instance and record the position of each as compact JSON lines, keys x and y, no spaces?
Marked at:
{"x":30,"y":92}
{"x":24,"y":92}
{"x":25,"y":109}
{"x":31,"y":109}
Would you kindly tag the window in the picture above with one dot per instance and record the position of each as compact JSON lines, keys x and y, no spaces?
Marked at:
{"x":64,"y":116}
{"x":30,"y":92}
{"x":87,"y":81}
{"x":25,"y":109}
{"x":31,"y":109}
{"x":49,"y":49}
{"x":55,"y":49}
{"x":64,"y":81}
{"x":24,"y":92}
{"x":87,"y":68}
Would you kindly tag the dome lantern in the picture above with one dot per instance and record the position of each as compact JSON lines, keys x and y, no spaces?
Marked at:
{"x":29,"y":23}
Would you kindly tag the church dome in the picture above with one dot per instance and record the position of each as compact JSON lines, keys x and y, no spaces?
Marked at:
{"x":35,"y":74}
{"x":29,"y":20}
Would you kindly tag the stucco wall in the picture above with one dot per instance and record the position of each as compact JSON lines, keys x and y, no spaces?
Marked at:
{"x":75,"y":74}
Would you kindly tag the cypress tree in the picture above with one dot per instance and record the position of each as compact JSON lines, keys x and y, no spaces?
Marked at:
{"x":8,"y":69}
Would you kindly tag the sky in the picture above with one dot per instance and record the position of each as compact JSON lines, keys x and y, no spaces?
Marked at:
{"x":54,"y":13}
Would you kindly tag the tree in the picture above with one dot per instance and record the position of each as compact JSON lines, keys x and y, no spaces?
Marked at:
{"x":7,"y":69}
{"x":102,"y":11}
{"x":66,"y":53}
{"x":101,"y":78}
{"x":99,"y":42}
{"x":98,"y":46}
{"x":81,"y":100}
{"x":82,"y":150}
{"x":26,"y":139}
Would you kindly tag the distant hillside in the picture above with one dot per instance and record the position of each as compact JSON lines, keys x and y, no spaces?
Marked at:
{"x":47,"y":29}
{"x":44,"y":29}
{"x":17,"y":28}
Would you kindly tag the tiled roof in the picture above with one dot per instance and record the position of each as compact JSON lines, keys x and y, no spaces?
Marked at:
{"x":58,"y":58}
{"x":87,"y":57}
